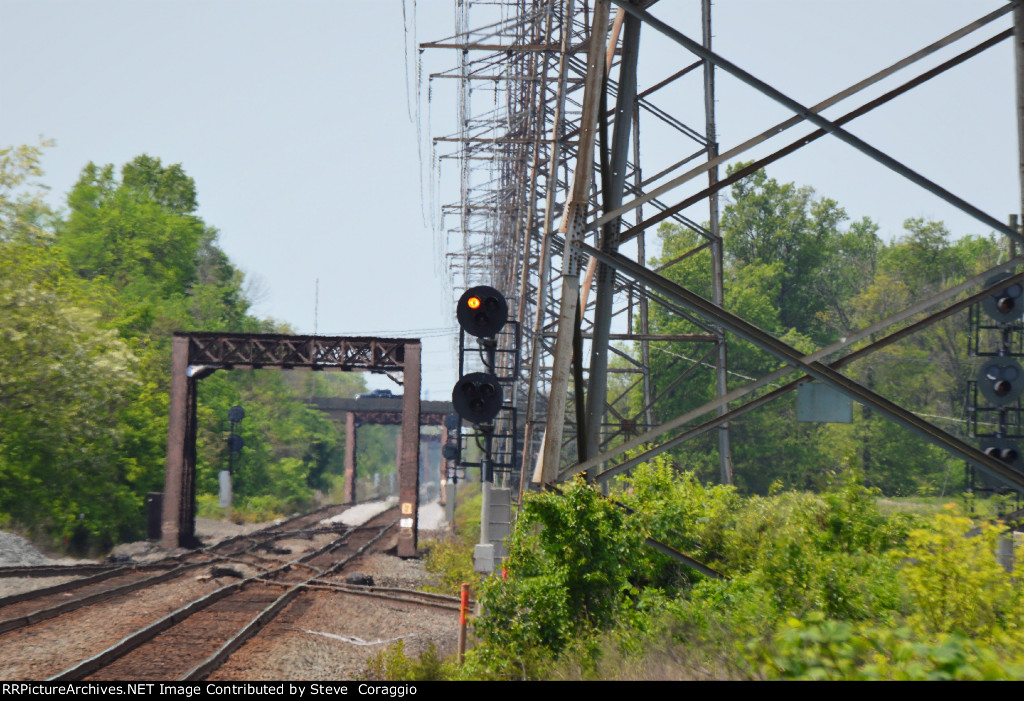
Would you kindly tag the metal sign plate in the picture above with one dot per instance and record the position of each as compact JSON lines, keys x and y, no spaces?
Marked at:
{"x":820,"y":403}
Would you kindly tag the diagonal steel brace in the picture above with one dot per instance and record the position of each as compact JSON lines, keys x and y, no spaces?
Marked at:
{"x":815,"y":369}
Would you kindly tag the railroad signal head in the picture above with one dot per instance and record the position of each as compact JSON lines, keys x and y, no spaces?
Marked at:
{"x":1006,"y":305}
{"x":482,"y":311}
{"x":1005,"y":450}
{"x":477,"y":397}
{"x":1001,"y":381}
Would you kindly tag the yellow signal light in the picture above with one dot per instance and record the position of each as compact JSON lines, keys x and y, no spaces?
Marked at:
{"x":482,"y":311}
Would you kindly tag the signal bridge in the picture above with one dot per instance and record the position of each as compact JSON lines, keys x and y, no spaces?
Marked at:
{"x":387,"y":411}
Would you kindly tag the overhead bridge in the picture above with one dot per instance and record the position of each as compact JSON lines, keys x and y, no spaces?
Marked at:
{"x":431,"y":413}
{"x":387,"y":411}
{"x":195,"y":355}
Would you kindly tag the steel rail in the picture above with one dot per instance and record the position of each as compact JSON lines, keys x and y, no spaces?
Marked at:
{"x":218,"y":658}
{"x":266,"y":535}
{"x":264,"y":617}
{"x":65,"y":586}
{"x":19,"y":571}
{"x":147,"y":633}
{"x":409,"y":596}
{"x":9,"y":624}
{"x":125,"y":645}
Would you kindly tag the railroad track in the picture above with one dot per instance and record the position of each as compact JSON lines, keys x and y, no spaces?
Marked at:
{"x":197,"y":638}
{"x":289,"y":524}
{"x":409,"y":596}
{"x":211,"y":620}
{"x":108,"y":581}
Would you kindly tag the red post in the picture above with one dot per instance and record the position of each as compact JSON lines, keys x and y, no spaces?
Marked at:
{"x":178,"y":517}
{"x":463,"y":618}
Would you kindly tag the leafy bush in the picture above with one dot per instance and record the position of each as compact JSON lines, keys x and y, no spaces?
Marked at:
{"x":570,"y":563}
{"x":955,"y":583}
{"x":821,"y":649}
{"x":821,"y":586}
{"x":675,"y":508}
{"x":392,"y":665}
{"x":450,"y":560}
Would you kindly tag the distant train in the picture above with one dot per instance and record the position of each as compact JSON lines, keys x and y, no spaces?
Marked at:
{"x":377,"y":394}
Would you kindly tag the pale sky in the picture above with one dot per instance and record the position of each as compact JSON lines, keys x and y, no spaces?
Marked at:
{"x":296,"y":120}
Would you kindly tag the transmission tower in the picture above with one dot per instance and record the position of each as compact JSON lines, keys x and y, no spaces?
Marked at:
{"x":555,"y":208}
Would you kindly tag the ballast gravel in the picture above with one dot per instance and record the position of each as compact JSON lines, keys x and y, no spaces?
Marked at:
{"x":323,"y":636}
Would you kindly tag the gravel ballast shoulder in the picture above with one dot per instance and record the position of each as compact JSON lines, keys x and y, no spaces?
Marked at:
{"x":322,"y":635}
{"x":15,"y":551}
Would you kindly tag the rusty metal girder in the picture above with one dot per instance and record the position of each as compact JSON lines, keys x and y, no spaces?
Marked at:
{"x":197,"y":354}
{"x":389,"y":418}
{"x":385,"y":410}
{"x":372,"y":404}
{"x":252,"y":350}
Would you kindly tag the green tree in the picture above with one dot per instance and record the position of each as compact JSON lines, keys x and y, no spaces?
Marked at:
{"x":814,"y":266}
{"x":926,"y":372}
{"x":793,"y":269}
{"x":24,"y":213}
{"x":88,"y":302}
{"x":119,"y":232}
{"x":64,"y":377}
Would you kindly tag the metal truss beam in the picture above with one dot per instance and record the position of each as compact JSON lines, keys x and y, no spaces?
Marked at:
{"x":813,"y":368}
{"x":793,"y":121}
{"x":866,"y":332}
{"x":522,"y":157}
{"x":196,"y":355}
{"x":815,"y":118}
{"x":810,"y":138}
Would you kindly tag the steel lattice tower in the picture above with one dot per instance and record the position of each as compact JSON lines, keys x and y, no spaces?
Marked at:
{"x":555,"y":207}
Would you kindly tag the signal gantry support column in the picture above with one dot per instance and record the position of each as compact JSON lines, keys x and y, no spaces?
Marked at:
{"x":409,"y":457}
{"x":350,"y":458}
{"x":177,"y":526}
